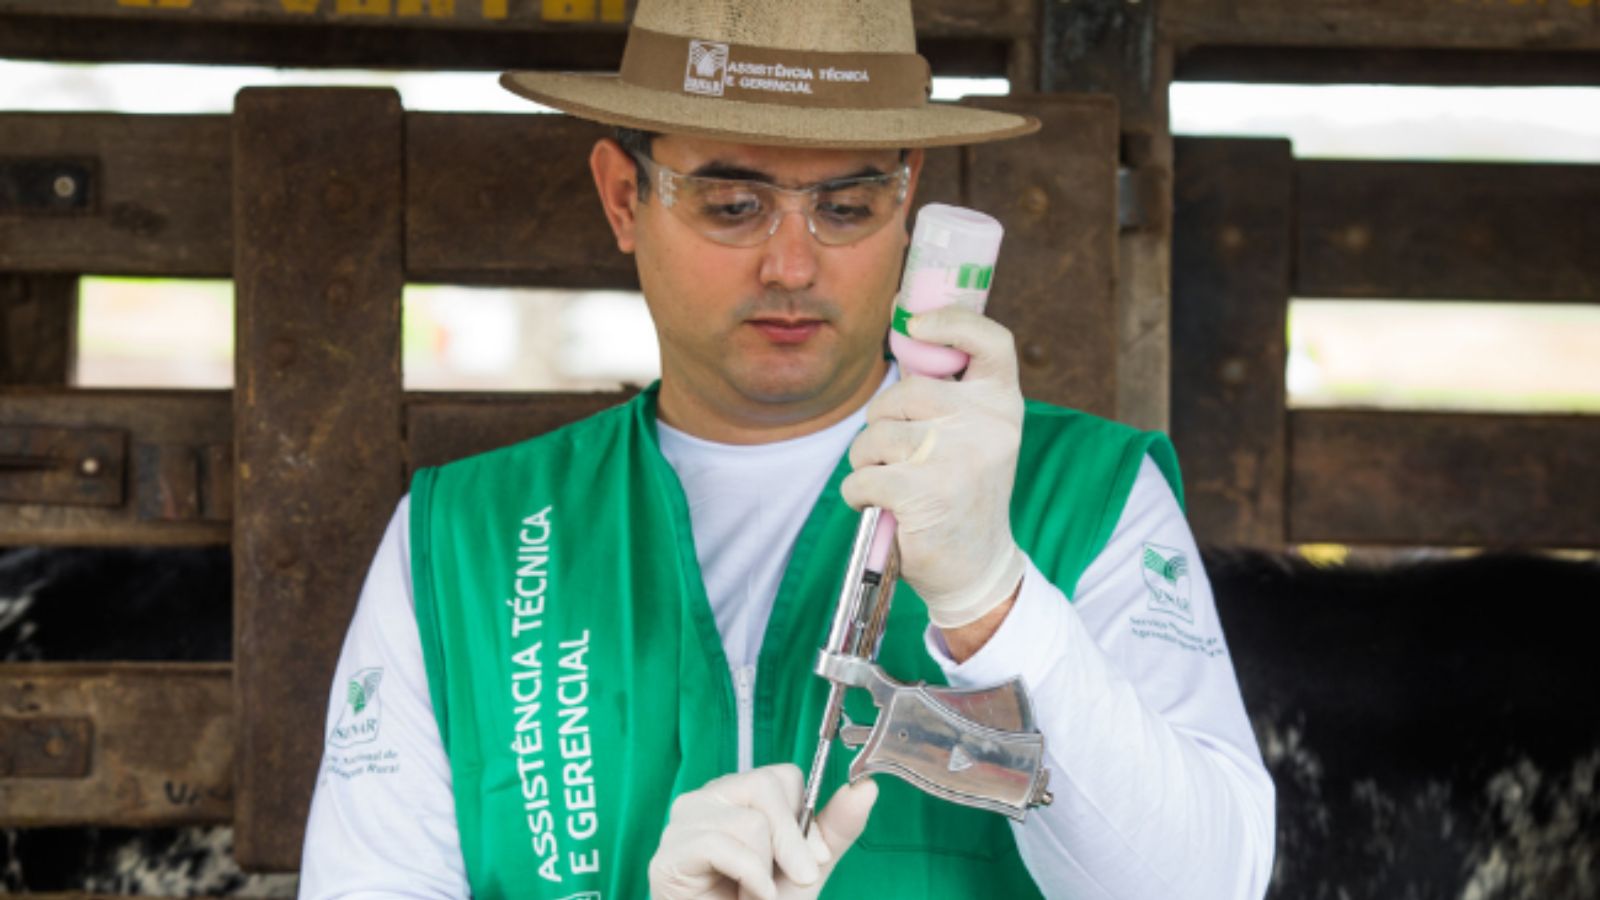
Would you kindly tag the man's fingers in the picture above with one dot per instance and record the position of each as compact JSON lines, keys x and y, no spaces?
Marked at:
{"x":992,"y":347}
{"x":889,"y":442}
{"x":774,"y":792}
{"x":883,"y":486}
{"x":913,"y":399}
{"x":845,"y":816}
{"x":710,"y":855}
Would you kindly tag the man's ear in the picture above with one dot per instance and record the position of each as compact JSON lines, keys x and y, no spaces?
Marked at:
{"x":616,"y":177}
{"x":914,"y":158}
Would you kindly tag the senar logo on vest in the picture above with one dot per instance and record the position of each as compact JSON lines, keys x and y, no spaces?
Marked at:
{"x":1166,"y":574}
{"x":358,"y":720}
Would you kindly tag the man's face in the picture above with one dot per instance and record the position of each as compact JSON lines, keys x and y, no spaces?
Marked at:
{"x":783,"y":332}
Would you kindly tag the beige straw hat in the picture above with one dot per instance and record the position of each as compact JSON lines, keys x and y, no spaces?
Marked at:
{"x":817,"y":73}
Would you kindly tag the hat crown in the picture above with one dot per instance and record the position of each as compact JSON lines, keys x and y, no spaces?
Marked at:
{"x":838,"y":26}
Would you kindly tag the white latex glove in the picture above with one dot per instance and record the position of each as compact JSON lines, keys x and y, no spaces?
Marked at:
{"x":738,"y":838}
{"x":942,"y":456}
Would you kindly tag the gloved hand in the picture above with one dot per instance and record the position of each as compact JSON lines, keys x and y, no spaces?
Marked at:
{"x":738,"y":838}
{"x":942,"y":456}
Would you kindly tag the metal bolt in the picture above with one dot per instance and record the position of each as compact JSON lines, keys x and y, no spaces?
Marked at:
{"x":1356,"y":238}
{"x":89,"y":467}
{"x":338,"y":291}
{"x":281,"y":353}
{"x":1234,"y":370}
{"x":339,"y":196}
{"x":55,"y":747}
{"x":66,"y":187}
{"x":1036,"y":200}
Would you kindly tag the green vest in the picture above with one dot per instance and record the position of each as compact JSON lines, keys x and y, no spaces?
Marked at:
{"x":579,"y":680}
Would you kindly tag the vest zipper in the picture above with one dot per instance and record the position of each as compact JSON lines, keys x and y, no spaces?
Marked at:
{"x":744,"y":697}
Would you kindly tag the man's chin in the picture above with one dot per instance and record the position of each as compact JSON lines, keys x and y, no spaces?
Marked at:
{"x":788,"y":388}
{"x":780,"y":390}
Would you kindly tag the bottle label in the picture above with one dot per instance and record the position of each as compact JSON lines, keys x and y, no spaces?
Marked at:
{"x":901,"y":317}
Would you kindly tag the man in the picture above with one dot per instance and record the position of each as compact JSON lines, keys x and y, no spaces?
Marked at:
{"x":580,"y":667}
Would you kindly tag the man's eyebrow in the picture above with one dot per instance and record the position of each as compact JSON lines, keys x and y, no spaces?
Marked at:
{"x":719,"y":169}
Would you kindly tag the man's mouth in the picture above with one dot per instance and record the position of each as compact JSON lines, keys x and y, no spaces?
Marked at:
{"x":780,"y":330}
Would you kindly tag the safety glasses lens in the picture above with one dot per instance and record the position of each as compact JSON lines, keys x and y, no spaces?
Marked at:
{"x":742,"y":213}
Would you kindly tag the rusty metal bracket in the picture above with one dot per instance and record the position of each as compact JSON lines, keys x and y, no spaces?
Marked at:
{"x":45,"y":747}
{"x":175,"y":482}
{"x":53,"y":466}
{"x":1130,"y":200}
{"x":42,"y":186}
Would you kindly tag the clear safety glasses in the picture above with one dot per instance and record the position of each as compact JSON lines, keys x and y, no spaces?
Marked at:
{"x":743,"y":213}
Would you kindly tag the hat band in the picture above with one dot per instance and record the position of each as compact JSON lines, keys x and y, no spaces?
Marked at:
{"x":752,"y":74}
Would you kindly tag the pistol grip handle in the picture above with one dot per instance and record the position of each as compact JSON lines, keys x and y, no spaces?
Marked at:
{"x":946,"y":754}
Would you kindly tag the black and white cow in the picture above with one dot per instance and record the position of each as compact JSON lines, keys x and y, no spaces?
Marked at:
{"x":1431,"y":726}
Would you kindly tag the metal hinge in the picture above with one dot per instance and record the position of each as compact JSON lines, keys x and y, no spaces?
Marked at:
{"x":39,"y":747}
{"x":49,"y":465}
{"x":42,"y":186}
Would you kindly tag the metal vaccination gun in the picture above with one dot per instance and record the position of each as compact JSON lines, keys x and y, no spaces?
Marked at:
{"x":980,"y":747}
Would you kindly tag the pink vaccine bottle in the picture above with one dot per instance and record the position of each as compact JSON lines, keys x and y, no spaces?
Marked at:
{"x":951,"y":261}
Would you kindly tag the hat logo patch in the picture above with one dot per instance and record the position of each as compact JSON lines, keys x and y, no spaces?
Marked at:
{"x":707,"y":69}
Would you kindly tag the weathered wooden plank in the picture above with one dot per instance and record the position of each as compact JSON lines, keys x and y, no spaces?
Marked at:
{"x":1555,"y":24}
{"x":476,"y":213}
{"x":1234,"y":215}
{"x":339,"y":45}
{"x":965,"y":18}
{"x":160,"y":738}
{"x":1439,"y":479}
{"x":159,"y":424}
{"x":1447,"y":231}
{"x":507,"y":199}
{"x":445,"y":427}
{"x":79,"y":895}
{"x":277,"y":43}
{"x":318,"y":202}
{"x":1110,"y":46}
{"x":38,"y":329}
{"x":941,"y":180}
{"x":158,"y":197}
{"x":432,"y":14}
{"x":1054,"y":284}
{"x":1366,"y":65}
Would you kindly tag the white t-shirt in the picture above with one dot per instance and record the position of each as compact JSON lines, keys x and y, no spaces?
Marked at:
{"x":1159,"y":787}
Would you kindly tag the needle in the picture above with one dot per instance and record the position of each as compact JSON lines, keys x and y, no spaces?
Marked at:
{"x":819,"y":762}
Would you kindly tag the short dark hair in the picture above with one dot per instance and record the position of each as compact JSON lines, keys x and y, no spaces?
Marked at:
{"x":637,"y":144}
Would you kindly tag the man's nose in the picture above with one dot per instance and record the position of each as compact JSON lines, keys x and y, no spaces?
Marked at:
{"x":789,"y":257}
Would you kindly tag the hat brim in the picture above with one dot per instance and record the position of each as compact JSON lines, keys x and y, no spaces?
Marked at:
{"x":608,"y":99}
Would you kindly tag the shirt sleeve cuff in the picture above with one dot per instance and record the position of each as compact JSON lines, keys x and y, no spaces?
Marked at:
{"x":1031,"y":636}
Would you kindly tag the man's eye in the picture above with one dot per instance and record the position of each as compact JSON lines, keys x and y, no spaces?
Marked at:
{"x":731,"y":208}
{"x":845,"y":213}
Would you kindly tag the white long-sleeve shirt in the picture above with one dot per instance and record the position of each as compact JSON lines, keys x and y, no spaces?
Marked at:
{"x":1159,"y":787}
